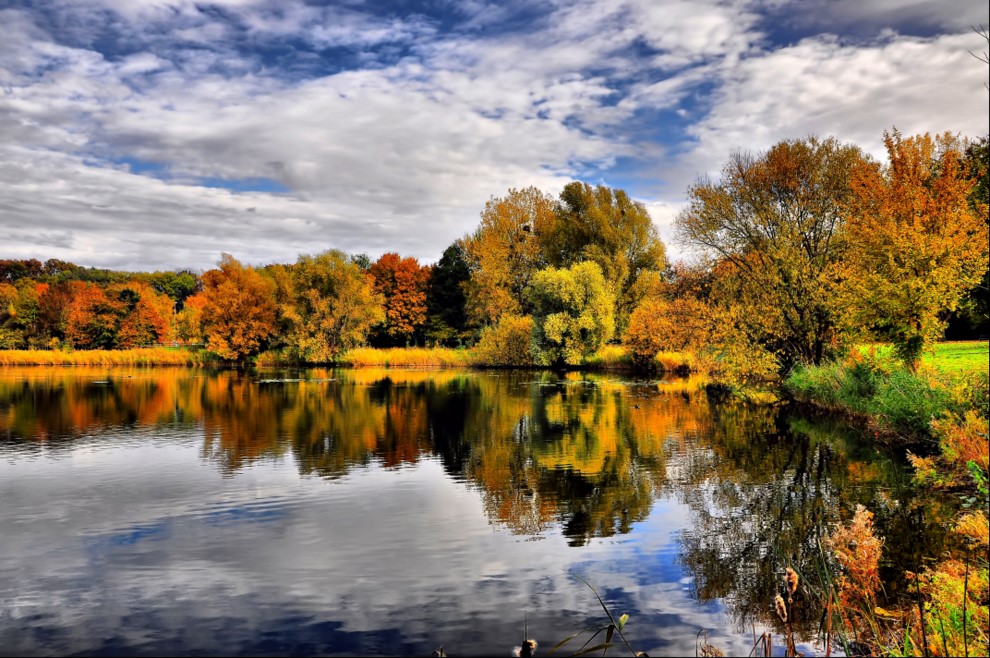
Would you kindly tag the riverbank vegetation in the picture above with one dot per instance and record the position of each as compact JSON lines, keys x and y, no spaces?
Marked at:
{"x":802,"y":251}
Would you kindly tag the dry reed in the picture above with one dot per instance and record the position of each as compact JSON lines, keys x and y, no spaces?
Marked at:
{"x":141,"y":356}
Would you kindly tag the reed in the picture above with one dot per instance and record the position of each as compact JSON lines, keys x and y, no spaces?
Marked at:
{"x":610,"y":357}
{"x":141,"y":356}
{"x":407,"y":357}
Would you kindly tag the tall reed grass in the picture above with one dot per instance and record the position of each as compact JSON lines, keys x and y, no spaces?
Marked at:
{"x":141,"y":356}
{"x":408,"y":357}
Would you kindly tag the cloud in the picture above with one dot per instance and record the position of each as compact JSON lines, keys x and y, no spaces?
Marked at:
{"x":391,"y":131}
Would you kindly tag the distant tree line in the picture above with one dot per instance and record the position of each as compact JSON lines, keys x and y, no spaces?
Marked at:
{"x":801,"y":250}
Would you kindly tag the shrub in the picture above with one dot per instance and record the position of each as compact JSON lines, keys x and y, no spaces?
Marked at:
{"x":658,"y":325}
{"x":508,"y":343}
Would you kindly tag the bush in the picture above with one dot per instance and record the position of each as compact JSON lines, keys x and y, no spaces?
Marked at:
{"x":506,"y":344}
{"x":660,"y":326}
{"x":895,"y":399}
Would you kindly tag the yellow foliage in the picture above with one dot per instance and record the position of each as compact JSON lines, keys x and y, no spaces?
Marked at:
{"x":507,"y":343}
{"x":975,"y":527}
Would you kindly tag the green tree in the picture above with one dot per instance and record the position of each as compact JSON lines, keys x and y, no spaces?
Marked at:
{"x":605,"y":226}
{"x":572,"y":312}
{"x":772,"y":219}
{"x":238,"y":316}
{"x":914,"y":240}
{"x":330,"y":307}
{"x":446,"y":315}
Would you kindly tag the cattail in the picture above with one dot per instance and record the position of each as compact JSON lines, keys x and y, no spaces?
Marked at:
{"x":781,"y":607}
{"x":707,"y":650}
{"x":711,"y":651}
{"x":527,"y":649}
{"x":791,"y":579}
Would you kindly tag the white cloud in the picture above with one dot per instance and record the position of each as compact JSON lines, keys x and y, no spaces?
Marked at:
{"x":402,"y":154}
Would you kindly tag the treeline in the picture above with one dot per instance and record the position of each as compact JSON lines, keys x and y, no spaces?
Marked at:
{"x":802,"y":249}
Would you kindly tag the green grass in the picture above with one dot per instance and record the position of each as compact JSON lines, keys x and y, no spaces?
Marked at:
{"x":950,"y":357}
{"x":960,"y":356}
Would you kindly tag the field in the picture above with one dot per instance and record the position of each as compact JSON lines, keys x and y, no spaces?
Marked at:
{"x":957,"y":357}
{"x":961,"y":356}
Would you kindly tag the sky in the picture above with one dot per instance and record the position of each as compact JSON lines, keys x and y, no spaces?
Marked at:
{"x":157,"y":134}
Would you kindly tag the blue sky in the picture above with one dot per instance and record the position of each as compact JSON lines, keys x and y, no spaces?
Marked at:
{"x":151,"y":134}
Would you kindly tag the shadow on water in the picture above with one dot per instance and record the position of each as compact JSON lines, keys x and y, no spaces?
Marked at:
{"x":585,"y":456}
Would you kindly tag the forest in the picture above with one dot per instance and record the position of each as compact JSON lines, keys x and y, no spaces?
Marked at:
{"x":801,"y":251}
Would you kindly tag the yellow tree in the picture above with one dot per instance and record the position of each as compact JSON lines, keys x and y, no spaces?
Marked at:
{"x":914,"y":242}
{"x":772,"y":220}
{"x":603,"y":225}
{"x":238,"y":315}
{"x":504,"y":253}
{"x":572,"y":313}
{"x":331,"y":306}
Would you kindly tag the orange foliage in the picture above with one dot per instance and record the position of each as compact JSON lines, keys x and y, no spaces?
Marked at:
{"x":403,"y":283}
{"x":915,"y":244}
{"x":672,"y":326}
{"x":239,"y":314}
{"x":858,"y":551}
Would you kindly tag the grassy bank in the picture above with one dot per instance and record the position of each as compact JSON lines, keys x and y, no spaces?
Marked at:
{"x":142,"y":356}
{"x":893,"y":400}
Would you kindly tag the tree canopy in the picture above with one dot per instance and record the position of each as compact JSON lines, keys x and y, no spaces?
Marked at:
{"x":773,"y":219}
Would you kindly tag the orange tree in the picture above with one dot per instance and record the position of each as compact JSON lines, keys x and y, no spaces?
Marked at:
{"x":403,"y":284}
{"x":238,"y":316}
{"x":914,"y":242}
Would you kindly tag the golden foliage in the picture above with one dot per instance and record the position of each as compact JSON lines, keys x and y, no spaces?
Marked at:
{"x":857,"y":550}
{"x":771,"y":220}
{"x":508,"y":343}
{"x":238,"y":315}
{"x":505,"y":252}
{"x":914,"y":243}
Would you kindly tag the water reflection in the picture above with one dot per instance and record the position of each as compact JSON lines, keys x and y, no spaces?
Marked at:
{"x":584,"y":455}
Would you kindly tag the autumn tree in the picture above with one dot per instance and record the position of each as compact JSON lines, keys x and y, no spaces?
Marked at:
{"x":572,"y":313}
{"x":12,"y":270}
{"x":915,"y":244}
{"x":773,"y":219}
{"x":189,"y":321}
{"x":505,"y":252}
{"x":147,"y":315}
{"x":330,"y":307}
{"x":446,"y":315}
{"x":54,"y":302}
{"x":238,"y":316}
{"x":605,"y":226}
{"x":660,"y":325}
{"x":403,"y":284}
{"x":94,"y":317}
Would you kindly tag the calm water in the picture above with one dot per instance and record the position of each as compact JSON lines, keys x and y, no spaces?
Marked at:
{"x":391,"y":512}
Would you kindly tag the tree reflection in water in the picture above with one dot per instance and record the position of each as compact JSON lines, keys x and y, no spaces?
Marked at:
{"x":588,"y":454}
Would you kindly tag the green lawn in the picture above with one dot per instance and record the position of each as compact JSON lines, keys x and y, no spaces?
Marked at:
{"x":961,"y":356}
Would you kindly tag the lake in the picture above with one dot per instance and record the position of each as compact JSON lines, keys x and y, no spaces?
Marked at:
{"x":370,"y":512}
